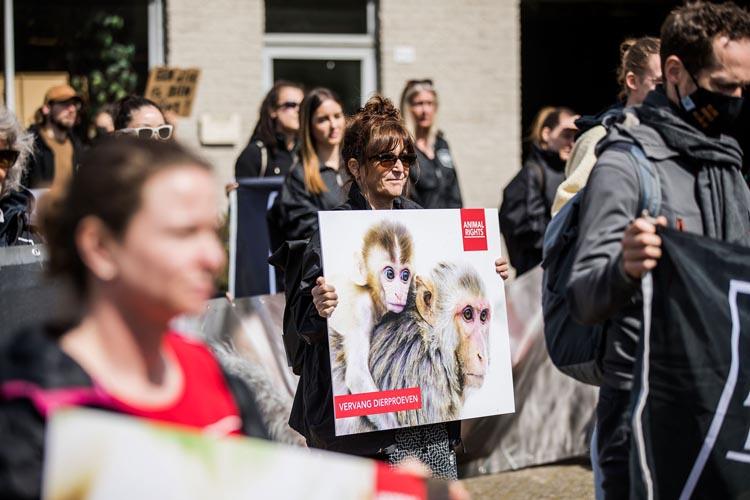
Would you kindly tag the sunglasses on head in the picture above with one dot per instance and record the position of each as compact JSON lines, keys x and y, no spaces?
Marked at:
{"x":162,"y":133}
{"x":388,"y":160}
{"x":8,"y":158}
{"x":425,"y":81}
{"x":288,"y":105}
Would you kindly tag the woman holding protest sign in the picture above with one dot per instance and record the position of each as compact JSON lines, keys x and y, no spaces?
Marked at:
{"x":139,"y":245}
{"x":378,"y":153}
{"x":316,"y":182}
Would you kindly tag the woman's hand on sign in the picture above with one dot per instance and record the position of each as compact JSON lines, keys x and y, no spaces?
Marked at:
{"x":502,"y":268}
{"x":324,"y":298}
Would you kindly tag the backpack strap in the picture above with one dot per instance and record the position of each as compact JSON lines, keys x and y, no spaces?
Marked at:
{"x":263,"y":157}
{"x":649,"y":182}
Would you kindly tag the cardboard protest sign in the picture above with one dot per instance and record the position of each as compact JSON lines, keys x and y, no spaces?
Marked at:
{"x":420,"y":332}
{"x":96,"y":455}
{"x":173,"y":88}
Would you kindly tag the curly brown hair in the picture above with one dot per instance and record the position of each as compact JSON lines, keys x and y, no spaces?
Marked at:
{"x":376,"y":128}
{"x":689,"y":32}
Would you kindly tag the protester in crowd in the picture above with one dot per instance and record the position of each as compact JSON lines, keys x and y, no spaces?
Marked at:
{"x":16,"y":202}
{"x":639,"y":73}
{"x":140,"y":246}
{"x":379,"y":153}
{"x":103,"y":123}
{"x":705,"y":60}
{"x":141,"y":117}
{"x":272,"y":149}
{"x":527,"y":200}
{"x":315,"y":183}
{"x":435,"y":183}
{"x":56,"y":149}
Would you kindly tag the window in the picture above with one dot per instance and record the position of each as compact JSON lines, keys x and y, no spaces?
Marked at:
{"x":342,"y":57}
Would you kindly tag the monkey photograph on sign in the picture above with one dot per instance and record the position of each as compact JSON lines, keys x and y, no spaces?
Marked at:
{"x":420,"y":332}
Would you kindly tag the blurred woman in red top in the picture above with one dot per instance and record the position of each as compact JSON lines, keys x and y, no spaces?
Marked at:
{"x":135,"y":232}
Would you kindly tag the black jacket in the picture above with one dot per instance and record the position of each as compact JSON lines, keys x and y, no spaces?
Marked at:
{"x":40,"y":171}
{"x":435,"y":183}
{"x":312,"y":411}
{"x":294,"y":214}
{"x":527,"y":207}
{"x":15,"y":228}
{"x":702,"y":193}
{"x":33,"y":356}
{"x":279,"y":159}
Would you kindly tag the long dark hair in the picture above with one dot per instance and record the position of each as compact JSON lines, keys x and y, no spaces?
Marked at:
{"x":125,"y":107}
{"x":265,"y":128}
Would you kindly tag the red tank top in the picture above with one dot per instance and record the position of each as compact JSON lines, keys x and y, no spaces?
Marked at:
{"x":205,"y":401}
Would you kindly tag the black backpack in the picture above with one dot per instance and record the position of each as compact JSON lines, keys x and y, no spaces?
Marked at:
{"x":576,"y":349}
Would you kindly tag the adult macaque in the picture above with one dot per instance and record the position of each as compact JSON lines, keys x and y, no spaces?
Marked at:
{"x":382,"y":285}
{"x":440,"y":343}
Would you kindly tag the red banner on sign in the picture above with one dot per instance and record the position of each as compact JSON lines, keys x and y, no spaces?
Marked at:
{"x":474,"y":229}
{"x":371,"y":403}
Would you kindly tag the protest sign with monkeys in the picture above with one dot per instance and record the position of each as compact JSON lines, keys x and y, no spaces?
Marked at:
{"x":419,"y":335}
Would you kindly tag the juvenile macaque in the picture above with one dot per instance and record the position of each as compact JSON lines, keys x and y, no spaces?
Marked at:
{"x":382,"y":284}
{"x":440,"y":343}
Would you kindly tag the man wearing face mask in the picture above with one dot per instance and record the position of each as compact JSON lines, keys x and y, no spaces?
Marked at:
{"x":705,"y":59}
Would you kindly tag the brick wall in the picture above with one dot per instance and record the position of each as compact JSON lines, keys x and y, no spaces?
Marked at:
{"x":471,"y":49}
{"x":225,"y":39}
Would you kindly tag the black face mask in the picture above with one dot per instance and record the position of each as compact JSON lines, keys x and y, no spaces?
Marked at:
{"x":712,"y":112}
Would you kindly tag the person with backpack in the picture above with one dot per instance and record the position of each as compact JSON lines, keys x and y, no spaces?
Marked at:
{"x":527,"y":199}
{"x":638,"y":74}
{"x":681,"y":135}
{"x":272,"y":149}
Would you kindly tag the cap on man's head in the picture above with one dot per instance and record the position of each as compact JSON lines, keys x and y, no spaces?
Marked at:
{"x":60,"y":93}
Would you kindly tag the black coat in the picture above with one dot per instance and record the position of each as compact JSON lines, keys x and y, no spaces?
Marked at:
{"x":15,"y":229}
{"x":279,"y":159}
{"x":294,"y":214}
{"x":33,"y":356}
{"x":40,"y":171}
{"x":312,"y":411}
{"x":435,"y":184}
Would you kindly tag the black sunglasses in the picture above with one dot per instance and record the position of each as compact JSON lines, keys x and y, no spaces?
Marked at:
{"x":74,"y":101}
{"x":8,"y":158}
{"x":388,"y":160}
{"x":288,"y":105}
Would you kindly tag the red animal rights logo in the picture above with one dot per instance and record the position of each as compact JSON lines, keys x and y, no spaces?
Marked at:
{"x":474,"y":229}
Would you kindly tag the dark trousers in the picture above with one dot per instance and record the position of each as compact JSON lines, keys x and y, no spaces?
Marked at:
{"x":613,"y":441}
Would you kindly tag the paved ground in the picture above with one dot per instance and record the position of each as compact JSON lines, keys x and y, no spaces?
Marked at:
{"x":559,"y":481}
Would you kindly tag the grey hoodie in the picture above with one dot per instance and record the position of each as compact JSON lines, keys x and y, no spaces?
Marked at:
{"x":702,"y":192}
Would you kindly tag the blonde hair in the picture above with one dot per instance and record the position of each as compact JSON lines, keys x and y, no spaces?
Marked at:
{"x":310,"y":163}
{"x":412,"y":88}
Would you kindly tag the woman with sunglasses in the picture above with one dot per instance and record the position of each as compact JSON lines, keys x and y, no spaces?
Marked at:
{"x":378,"y":153}
{"x":434,"y":183}
{"x":140,"y":247}
{"x":142,"y":118}
{"x":16,"y":202}
{"x":273,"y":146}
{"x":315,"y":183}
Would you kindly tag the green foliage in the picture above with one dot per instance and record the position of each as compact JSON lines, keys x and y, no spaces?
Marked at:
{"x":100,"y":47}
